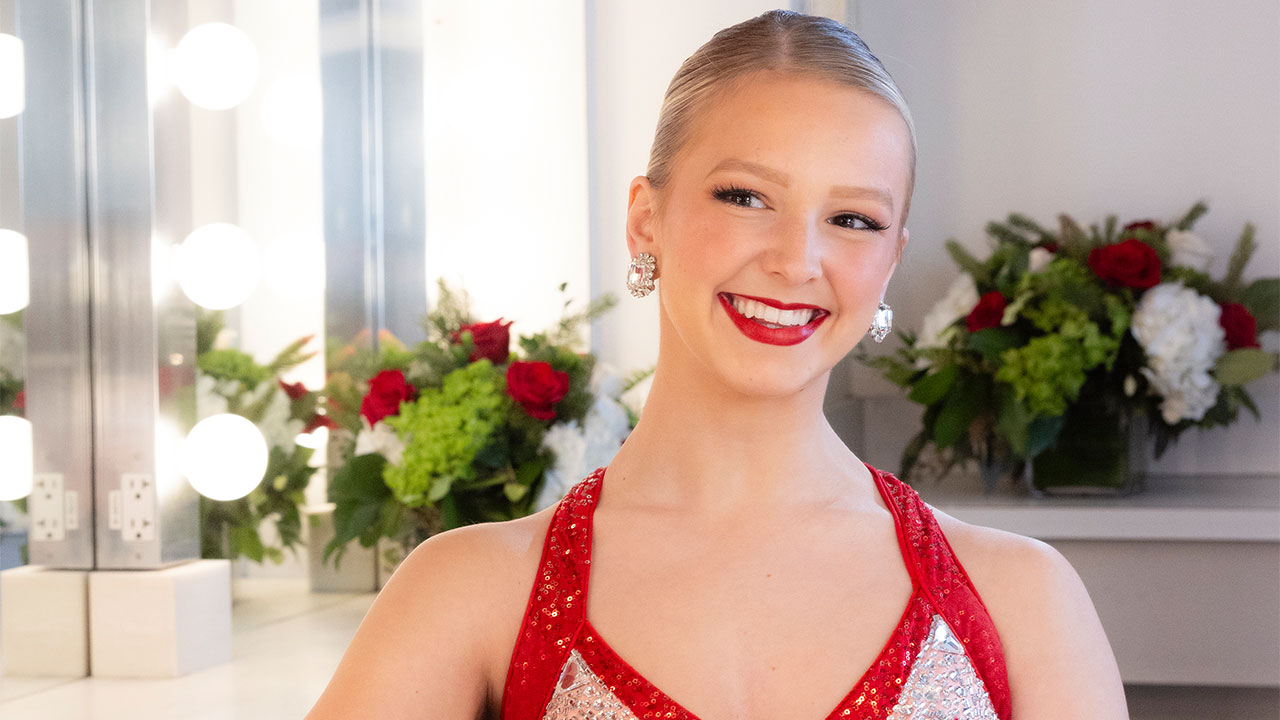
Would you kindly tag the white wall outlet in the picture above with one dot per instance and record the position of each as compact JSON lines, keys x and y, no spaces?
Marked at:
{"x":46,"y":506}
{"x":138,"y":507}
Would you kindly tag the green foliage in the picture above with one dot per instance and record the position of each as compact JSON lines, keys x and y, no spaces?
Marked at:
{"x":361,"y":501}
{"x":1262,"y":298}
{"x":233,"y":365}
{"x":1244,"y":365}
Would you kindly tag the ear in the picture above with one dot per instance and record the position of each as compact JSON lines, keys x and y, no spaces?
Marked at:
{"x":642,"y":207}
{"x":902,"y":245}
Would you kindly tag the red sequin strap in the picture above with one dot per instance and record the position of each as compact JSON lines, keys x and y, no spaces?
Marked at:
{"x":555,"y":613}
{"x":951,"y":591}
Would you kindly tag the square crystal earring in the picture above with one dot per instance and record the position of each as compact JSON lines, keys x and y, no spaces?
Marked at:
{"x":882,"y":323}
{"x":640,"y":274}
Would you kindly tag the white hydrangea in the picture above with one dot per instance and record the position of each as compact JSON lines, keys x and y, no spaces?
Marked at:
{"x":379,"y":438}
{"x":1178,"y":328}
{"x":567,"y":441}
{"x":1189,"y":250}
{"x":957,"y":303}
{"x":277,"y":427}
{"x":1038,"y":260}
{"x":580,"y":449}
{"x":12,"y":350}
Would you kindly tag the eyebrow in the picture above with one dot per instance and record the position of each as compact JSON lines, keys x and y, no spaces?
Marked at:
{"x":780,"y":178}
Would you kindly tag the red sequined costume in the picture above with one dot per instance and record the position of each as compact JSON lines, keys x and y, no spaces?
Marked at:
{"x":943,"y":660}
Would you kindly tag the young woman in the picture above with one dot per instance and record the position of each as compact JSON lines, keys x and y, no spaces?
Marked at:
{"x":736,"y":560}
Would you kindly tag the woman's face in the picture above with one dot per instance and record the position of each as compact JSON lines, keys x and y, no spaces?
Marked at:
{"x":778,"y":229}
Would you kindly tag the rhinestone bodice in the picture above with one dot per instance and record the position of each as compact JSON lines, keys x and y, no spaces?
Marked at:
{"x":942,"y":661}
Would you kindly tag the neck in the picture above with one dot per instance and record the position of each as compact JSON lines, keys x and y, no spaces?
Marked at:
{"x":704,"y":446}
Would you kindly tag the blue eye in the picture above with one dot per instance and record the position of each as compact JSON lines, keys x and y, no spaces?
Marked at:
{"x":854,"y":221}
{"x":736,"y":196}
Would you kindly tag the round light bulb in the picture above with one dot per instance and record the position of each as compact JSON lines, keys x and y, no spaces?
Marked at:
{"x":218,"y":266}
{"x":15,"y":449}
{"x":224,"y":457}
{"x":13,"y":82}
{"x":215,"y":66}
{"x":15,"y":274}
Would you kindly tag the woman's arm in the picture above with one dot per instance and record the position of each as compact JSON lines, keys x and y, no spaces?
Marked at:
{"x":1059,"y":660}
{"x":426,"y":647}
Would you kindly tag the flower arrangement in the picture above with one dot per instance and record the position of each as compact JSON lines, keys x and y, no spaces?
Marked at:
{"x":1064,"y":334}
{"x":12,"y":362}
{"x":460,"y":429}
{"x":231,"y":381}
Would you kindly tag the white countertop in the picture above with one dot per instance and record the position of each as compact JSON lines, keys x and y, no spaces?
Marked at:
{"x":1230,"y":508}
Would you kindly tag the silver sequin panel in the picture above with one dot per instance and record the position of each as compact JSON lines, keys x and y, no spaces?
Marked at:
{"x":943,"y":684}
{"x":581,"y":695}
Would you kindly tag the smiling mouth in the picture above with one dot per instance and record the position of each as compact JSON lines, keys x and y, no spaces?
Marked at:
{"x":772,"y":322}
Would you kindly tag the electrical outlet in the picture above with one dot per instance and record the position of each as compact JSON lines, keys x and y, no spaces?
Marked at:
{"x":46,"y":505}
{"x":138,"y":507}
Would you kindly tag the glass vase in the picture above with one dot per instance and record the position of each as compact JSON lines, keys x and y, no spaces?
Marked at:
{"x":1100,"y":451}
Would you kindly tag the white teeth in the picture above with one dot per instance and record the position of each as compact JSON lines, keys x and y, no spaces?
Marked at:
{"x":772,"y":315}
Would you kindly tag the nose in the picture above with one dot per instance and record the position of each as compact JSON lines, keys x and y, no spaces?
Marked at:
{"x":795,"y":253}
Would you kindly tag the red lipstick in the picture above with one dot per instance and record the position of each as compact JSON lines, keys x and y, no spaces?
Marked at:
{"x":791,"y":335}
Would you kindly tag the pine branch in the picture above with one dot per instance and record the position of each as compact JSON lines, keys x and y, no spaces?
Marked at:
{"x":1239,"y":258}
{"x":1200,"y":208}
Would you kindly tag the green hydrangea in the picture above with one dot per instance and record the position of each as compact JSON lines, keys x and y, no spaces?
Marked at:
{"x":231,"y":364}
{"x":443,"y":430}
{"x":1048,"y":372}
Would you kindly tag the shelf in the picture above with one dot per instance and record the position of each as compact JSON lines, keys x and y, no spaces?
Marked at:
{"x":1237,"y":508}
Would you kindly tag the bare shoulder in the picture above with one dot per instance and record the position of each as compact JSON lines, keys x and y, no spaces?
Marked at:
{"x":1059,"y":661}
{"x":441,"y":631}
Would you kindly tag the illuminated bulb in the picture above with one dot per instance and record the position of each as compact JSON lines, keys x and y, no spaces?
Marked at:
{"x":292,"y":112}
{"x":295,"y":266}
{"x":13,"y":84}
{"x":15,"y":449}
{"x":215,"y":66}
{"x":15,"y":275}
{"x":218,"y":266}
{"x":224,"y":457}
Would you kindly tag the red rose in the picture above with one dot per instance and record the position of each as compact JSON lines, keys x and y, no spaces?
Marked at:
{"x":1131,"y":263}
{"x":20,"y":402}
{"x":1139,"y":225}
{"x":318,"y":421}
{"x":1051,"y":247}
{"x":537,"y":387}
{"x":489,"y":340}
{"x":387,"y":390}
{"x":1241,"y":326}
{"x":987,"y":313}
{"x":293,"y":390}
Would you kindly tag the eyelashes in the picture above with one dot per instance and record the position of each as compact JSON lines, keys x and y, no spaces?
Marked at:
{"x":742,"y":197}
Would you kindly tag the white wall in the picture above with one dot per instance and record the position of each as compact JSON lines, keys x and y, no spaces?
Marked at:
{"x":1087,"y":107}
{"x":506,"y":157}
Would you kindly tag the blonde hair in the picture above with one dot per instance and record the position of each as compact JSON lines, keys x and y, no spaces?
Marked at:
{"x":780,"y":41}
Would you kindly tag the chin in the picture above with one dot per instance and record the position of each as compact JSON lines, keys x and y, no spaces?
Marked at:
{"x":772,"y":380}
